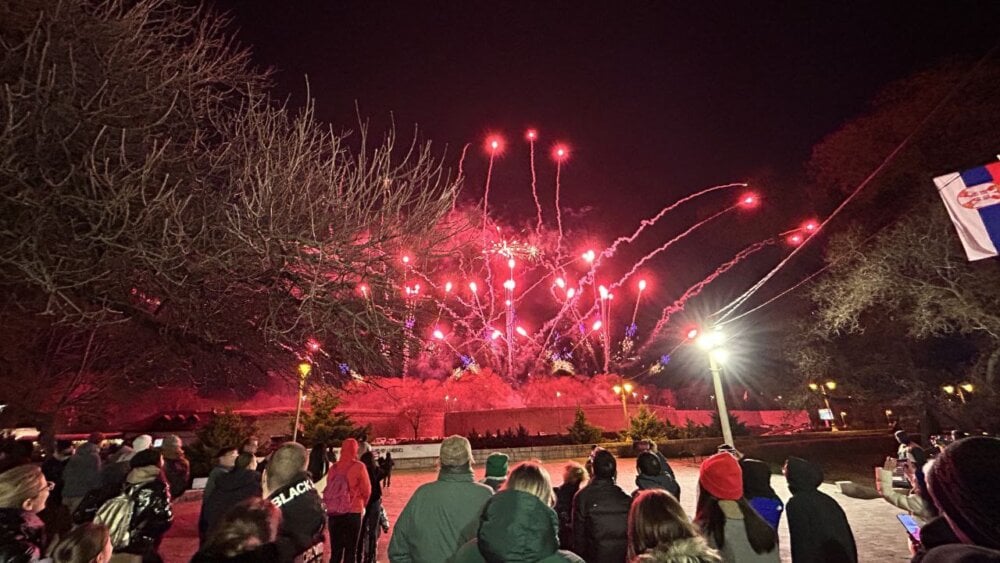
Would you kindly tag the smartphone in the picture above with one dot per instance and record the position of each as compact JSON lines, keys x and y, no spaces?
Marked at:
{"x":157,"y":443}
{"x":912,"y":528}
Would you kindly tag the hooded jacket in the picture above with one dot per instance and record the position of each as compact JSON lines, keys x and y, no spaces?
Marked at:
{"x":817,"y":525}
{"x":230,"y":489}
{"x":687,"y":550}
{"x":177,"y":470}
{"x":662,"y":481}
{"x":303,"y":518}
{"x":758,"y":492}
{"x":358,"y":485}
{"x":564,"y":510}
{"x":22,"y":536}
{"x":151,"y":513}
{"x":600,"y":521}
{"x":959,"y":553}
{"x":515,"y":527}
{"x":439,"y":517}
{"x":83,"y":471}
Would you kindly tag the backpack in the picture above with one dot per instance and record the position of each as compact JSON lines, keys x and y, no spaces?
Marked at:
{"x":116,"y":514}
{"x":337,"y":494}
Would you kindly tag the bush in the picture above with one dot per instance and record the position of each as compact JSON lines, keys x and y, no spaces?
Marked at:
{"x":738,"y":428}
{"x":645,"y":424}
{"x":582,"y":432}
{"x":225,"y":430}
{"x":323,"y":424}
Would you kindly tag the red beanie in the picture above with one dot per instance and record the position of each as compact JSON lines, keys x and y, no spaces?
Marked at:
{"x":722,"y":477}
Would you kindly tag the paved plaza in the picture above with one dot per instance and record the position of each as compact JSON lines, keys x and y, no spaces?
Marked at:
{"x":879,"y":535}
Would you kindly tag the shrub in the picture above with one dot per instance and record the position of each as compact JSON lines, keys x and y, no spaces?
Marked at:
{"x":225,"y":430}
{"x":323,"y":424}
{"x":582,"y":432}
{"x":645,"y":424}
{"x":738,"y":428}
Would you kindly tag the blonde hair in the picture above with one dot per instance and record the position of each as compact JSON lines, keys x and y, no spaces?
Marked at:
{"x":530,"y":477}
{"x":20,"y":484}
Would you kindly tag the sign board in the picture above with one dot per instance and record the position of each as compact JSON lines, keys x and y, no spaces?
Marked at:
{"x":825,"y":414}
{"x":405,"y":451}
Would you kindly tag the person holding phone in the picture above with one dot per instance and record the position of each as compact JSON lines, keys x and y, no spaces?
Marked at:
{"x":913,"y":501}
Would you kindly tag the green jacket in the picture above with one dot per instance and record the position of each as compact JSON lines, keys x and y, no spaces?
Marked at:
{"x":516,"y":527}
{"x":439,"y":517}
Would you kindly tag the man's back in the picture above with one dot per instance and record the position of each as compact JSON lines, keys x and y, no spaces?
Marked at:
{"x":438,"y":519}
{"x":600,"y":522}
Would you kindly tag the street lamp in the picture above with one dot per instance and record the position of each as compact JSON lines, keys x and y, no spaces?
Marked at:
{"x":821,"y":389}
{"x":712,"y":342}
{"x":622,"y":391}
{"x":304,"y":369}
{"x":959,"y":390}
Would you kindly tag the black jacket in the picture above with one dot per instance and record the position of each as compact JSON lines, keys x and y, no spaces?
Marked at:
{"x":600,"y":522}
{"x":22,"y":536}
{"x":564,"y":509}
{"x":151,"y":516}
{"x":303,"y":517}
{"x":177,"y":470}
{"x":958,"y":553}
{"x":817,"y":525}
{"x":230,"y":489}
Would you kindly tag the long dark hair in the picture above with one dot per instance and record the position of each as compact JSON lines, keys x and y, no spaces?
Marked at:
{"x":656,"y":518}
{"x":710,"y":518}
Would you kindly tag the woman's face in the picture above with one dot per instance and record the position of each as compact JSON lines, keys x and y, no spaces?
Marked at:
{"x":37,"y":502}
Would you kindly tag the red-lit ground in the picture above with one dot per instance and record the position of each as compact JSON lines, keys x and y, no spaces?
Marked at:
{"x":879,"y":535}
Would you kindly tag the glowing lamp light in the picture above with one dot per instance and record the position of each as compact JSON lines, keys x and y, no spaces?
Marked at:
{"x":438,"y":334}
{"x":813,"y":387}
{"x":511,"y":263}
{"x":312,"y":345}
{"x":628,"y":387}
{"x":949,"y":389}
{"x":711,"y":340}
{"x":719,"y":355}
{"x":561,"y":283}
{"x":509,"y":285}
{"x":496,"y":334}
{"x":967,"y":387}
{"x":531,"y":134}
{"x":447,"y":287}
{"x":642,"y":285}
{"x":473,"y":287}
{"x":520,"y":330}
{"x":597,"y":325}
{"x":304,"y":369}
{"x":603,"y":291}
{"x":617,"y":389}
{"x":589,"y":256}
{"x":831,"y":385}
{"x":570,"y":293}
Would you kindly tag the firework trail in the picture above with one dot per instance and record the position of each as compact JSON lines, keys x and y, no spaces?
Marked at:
{"x":697,"y":288}
{"x":486,"y":197}
{"x":558,"y":209}
{"x":534,"y":185}
{"x":669,"y":243}
{"x":610,"y":251}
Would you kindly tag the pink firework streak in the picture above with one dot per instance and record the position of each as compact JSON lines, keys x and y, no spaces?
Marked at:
{"x":669,"y":243}
{"x":461,"y":162}
{"x":697,"y":288}
{"x":610,"y":251}
{"x":486,"y":197}
{"x":534,"y":182}
{"x":558,"y":209}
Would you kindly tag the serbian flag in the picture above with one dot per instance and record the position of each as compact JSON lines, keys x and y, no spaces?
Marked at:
{"x":973,"y":201}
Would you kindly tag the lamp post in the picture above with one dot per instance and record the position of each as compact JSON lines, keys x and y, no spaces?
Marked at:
{"x":304,"y":369}
{"x":831,"y":385}
{"x":958,"y":390}
{"x":712,"y":342}
{"x":622,"y":391}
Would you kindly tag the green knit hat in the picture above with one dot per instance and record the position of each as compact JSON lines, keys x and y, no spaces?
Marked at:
{"x":496,"y":465}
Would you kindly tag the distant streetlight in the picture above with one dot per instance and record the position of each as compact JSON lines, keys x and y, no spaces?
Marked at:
{"x":304,"y":369}
{"x":622,"y":391}
{"x":961,"y":390}
{"x":712,"y":342}
{"x":821,"y":389}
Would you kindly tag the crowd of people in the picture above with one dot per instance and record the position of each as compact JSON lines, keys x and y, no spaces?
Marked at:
{"x":86,"y":505}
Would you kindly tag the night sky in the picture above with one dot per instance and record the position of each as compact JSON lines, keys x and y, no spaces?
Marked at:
{"x":657,"y":100}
